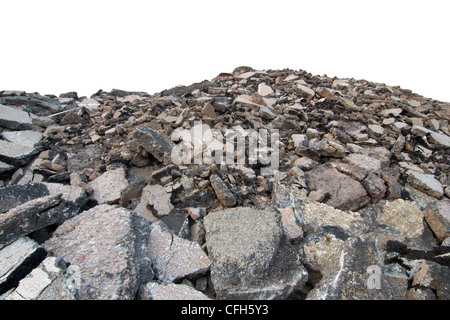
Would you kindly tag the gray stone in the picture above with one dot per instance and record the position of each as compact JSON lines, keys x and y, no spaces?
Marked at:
{"x":251,"y":257}
{"x":437,"y":215}
{"x":49,"y":281}
{"x":348,"y":275}
{"x":107,"y":188}
{"x":362,"y":161}
{"x":155,"y":202}
{"x":223,"y":193}
{"x":26,"y":138}
{"x":436,"y":138}
{"x":374,"y":186}
{"x":14,"y":119}
{"x":5,"y":168}
{"x":426,"y":183}
{"x":90,"y":104}
{"x":305,"y":91}
{"x":403,"y":215}
{"x":13,"y":196}
{"x":155,"y":142}
{"x":108,"y":246}
{"x":328,"y":148}
{"x":16,"y":155}
{"x":171,"y":291}
{"x":343,"y":192}
{"x":266,"y":113}
{"x":177,"y":221}
{"x":62,"y":203}
{"x":432,"y":275}
{"x":175,"y":258}
{"x":17,"y":260}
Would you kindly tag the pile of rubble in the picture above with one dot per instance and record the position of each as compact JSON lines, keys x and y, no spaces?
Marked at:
{"x":127,"y":195}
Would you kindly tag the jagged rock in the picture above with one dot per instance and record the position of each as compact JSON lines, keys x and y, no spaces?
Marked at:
{"x":175,"y":258}
{"x":16,"y":154}
{"x":155,"y":202}
{"x":49,"y":281}
{"x":350,"y":144}
{"x":404,"y":216}
{"x":223,"y":193}
{"x":342,"y":191}
{"x":170,"y":291}
{"x":356,"y":272}
{"x":363,"y":161}
{"x":18,"y":259}
{"x":108,"y":245}
{"x":432,"y":275}
{"x":437,"y":215}
{"x":177,"y":221}
{"x":320,"y":246}
{"x":13,"y":196}
{"x":14,"y":119}
{"x":132,"y":191}
{"x":155,"y":142}
{"x":426,"y":183}
{"x":315,"y":215}
{"x":26,"y":138}
{"x":251,"y":258}
{"x":107,"y":188}
{"x":62,"y":203}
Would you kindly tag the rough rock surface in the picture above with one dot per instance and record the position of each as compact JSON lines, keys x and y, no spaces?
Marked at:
{"x":285,"y":185}
{"x":251,"y":256}
{"x":106,"y":243}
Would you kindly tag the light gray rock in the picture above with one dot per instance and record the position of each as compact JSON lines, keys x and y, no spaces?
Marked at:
{"x":108,"y":245}
{"x":343,"y":192}
{"x":426,"y":183}
{"x":437,"y":215}
{"x":305,"y":91}
{"x":108,"y":187}
{"x":251,"y":257}
{"x":436,"y":138}
{"x":17,"y":260}
{"x":170,"y":291}
{"x":15,"y":154}
{"x":155,"y":142}
{"x":175,"y":258}
{"x":155,"y":202}
{"x":223,"y":193}
{"x":356,"y":272}
{"x":49,"y":281}
{"x":14,"y":119}
{"x":26,"y":138}
{"x":363,"y":161}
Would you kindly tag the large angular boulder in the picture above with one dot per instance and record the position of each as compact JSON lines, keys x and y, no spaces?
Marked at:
{"x":14,"y":119}
{"x":108,"y":244}
{"x":155,"y":142}
{"x":175,"y":258}
{"x":17,"y":260}
{"x":45,"y":204}
{"x":341,"y":191}
{"x":107,"y":188}
{"x":356,"y":272}
{"x":251,"y":256}
{"x":51,"y":280}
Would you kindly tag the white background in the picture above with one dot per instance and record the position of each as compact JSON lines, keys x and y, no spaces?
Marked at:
{"x":58,"y":46}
